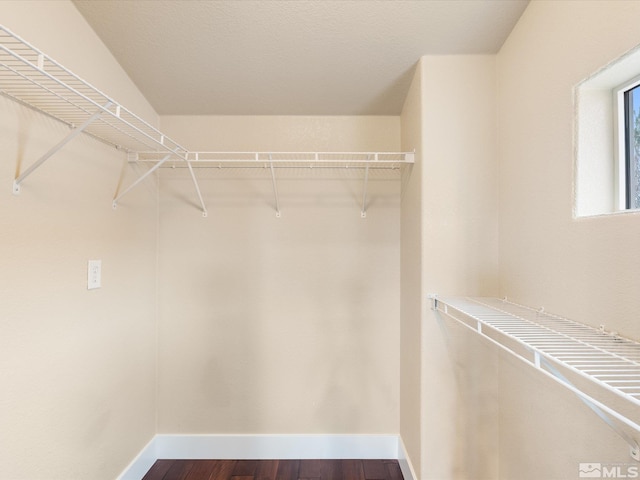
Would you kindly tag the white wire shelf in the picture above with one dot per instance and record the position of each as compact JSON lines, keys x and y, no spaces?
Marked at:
{"x":33,"y":79}
{"x":367,"y":163}
{"x":309,"y":160}
{"x":560,"y":348}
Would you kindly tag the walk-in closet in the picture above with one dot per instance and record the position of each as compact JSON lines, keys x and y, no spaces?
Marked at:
{"x":319,"y":239}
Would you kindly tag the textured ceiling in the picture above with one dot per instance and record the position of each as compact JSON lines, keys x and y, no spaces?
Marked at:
{"x":304,"y":57}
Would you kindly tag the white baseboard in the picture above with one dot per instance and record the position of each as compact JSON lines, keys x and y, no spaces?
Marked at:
{"x":259,"y":447}
{"x":405,"y":462}
{"x":142,"y":463}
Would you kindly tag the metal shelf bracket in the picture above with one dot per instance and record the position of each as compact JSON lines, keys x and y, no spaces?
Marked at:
{"x":70,"y":136}
{"x":275,"y":186}
{"x":141,"y":178}
{"x":363,"y":211}
{"x":196,"y":186}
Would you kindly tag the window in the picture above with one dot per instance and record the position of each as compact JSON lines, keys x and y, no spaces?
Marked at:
{"x":630,"y":150}
{"x":607,"y":162}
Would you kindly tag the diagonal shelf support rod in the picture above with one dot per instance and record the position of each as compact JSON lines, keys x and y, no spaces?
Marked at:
{"x":275,"y":186}
{"x":195,"y":184}
{"x":141,"y":178}
{"x":70,"y":136}
{"x":634,"y":449}
{"x":363,"y":212}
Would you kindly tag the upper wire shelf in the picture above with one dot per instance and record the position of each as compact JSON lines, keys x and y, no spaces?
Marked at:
{"x":561,"y":348}
{"x":33,"y":78}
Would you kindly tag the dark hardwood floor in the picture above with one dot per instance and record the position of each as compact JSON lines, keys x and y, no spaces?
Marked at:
{"x":274,"y":470}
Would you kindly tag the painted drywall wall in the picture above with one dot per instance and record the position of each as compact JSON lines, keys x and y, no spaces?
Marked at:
{"x":449,"y":246}
{"x":279,"y":325}
{"x":77,"y":367}
{"x":459,"y":257}
{"x":585,"y":269}
{"x":412,"y":294}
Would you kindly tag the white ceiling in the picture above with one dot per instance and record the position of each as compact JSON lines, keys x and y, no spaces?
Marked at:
{"x":291,"y":57}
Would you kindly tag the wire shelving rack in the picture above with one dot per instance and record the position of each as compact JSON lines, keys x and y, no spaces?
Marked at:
{"x":33,"y":79}
{"x":588,"y":361}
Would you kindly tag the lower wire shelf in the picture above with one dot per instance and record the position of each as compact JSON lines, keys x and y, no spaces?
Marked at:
{"x":601,"y":368}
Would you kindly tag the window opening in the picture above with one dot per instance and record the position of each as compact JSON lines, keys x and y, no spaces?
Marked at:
{"x":607,"y":139}
{"x":632,"y":147}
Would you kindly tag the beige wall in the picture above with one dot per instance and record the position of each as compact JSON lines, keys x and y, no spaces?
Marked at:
{"x":279,"y":325}
{"x":77,"y":367}
{"x":459,"y":257}
{"x":411,"y":291}
{"x":449,"y":246}
{"x":585,"y":269}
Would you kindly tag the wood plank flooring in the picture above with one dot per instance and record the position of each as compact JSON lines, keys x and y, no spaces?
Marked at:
{"x":274,"y":470}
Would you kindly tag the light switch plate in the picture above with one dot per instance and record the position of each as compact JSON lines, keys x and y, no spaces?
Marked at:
{"x":94,"y":274}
